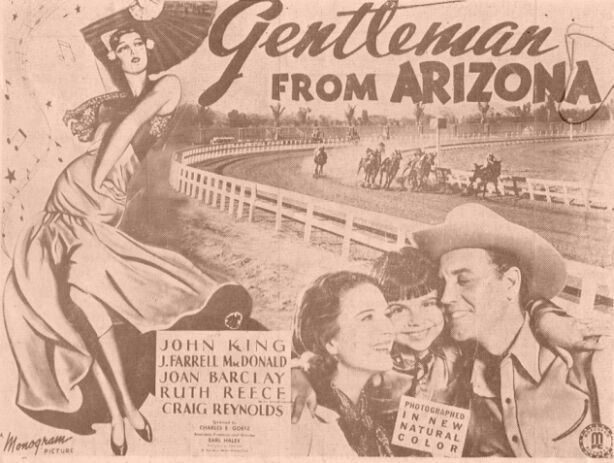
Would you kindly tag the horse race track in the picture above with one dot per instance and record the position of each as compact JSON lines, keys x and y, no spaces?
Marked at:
{"x":275,"y":267}
{"x":579,"y":234}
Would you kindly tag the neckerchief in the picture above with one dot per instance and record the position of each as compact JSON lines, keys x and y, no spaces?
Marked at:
{"x":408,"y":363}
{"x":363,"y":435}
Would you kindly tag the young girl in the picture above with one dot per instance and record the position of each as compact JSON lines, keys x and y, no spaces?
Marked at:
{"x":426,"y":364}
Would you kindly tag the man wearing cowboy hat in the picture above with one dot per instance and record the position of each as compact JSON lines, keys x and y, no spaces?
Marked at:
{"x":525,"y":400}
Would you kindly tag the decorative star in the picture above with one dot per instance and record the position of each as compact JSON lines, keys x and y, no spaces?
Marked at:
{"x":10,"y":175}
{"x":78,"y":9}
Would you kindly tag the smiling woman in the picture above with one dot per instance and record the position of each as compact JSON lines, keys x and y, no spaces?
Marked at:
{"x":343,"y":330}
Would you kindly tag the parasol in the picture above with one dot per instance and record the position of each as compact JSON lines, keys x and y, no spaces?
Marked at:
{"x":178,"y":28}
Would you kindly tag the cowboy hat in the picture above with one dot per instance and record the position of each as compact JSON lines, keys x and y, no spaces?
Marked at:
{"x":475,"y":226}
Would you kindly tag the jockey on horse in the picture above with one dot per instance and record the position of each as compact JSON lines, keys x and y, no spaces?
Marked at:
{"x":390,"y":168}
{"x":486,"y":174}
{"x":421,"y":169}
{"x":411,"y":170}
{"x":371,"y":164}
{"x":320,"y":159}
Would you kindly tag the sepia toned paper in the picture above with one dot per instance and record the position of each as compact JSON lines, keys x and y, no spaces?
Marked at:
{"x":283,"y":229}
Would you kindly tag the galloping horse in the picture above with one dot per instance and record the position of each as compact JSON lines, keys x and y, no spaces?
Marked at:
{"x":484,"y":175}
{"x":390,"y":167}
{"x":320,"y":159}
{"x":410,"y":172}
{"x":423,"y":170}
{"x":371,"y":165}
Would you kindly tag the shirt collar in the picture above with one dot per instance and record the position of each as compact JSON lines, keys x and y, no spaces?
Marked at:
{"x":525,"y":349}
{"x":478,"y":380}
{"x":326,"y":415}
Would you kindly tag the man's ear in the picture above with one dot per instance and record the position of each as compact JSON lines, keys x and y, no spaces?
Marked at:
{"x":513,"y":279}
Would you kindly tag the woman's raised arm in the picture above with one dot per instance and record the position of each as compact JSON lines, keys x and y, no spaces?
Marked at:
{"x":566,"y":334}
{"x":164,"y":98}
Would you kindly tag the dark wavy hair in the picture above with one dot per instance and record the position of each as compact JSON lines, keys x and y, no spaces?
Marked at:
{"x":406,"y":274}
{"x":315,"y":322}
{"x":115,"y":70}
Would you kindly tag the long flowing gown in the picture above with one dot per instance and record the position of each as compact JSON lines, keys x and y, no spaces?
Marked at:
{"x":75,"y":275}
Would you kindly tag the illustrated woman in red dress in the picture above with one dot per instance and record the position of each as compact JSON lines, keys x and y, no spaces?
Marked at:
{"x":76,"y":278}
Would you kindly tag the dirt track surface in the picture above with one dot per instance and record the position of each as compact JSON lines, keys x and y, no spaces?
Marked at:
{"x":273,"y":267}
{"x":577,"y":233}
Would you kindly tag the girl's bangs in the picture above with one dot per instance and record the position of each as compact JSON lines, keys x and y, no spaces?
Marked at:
{"x":405,"y":292}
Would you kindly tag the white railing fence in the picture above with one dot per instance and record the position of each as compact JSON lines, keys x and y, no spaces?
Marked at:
{"x":240,"y":198}
{"x":598,"y":196}
{"x":448,"y":141}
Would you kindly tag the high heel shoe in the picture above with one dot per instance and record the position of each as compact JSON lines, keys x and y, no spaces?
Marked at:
{"x":146,"y":433}
{"x":119,"y":450}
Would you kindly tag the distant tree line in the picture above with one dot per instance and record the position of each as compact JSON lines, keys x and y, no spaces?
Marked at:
{"x":195,"y":116}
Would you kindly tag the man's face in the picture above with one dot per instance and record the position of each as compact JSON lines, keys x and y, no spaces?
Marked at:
{"x":475,"y":296}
